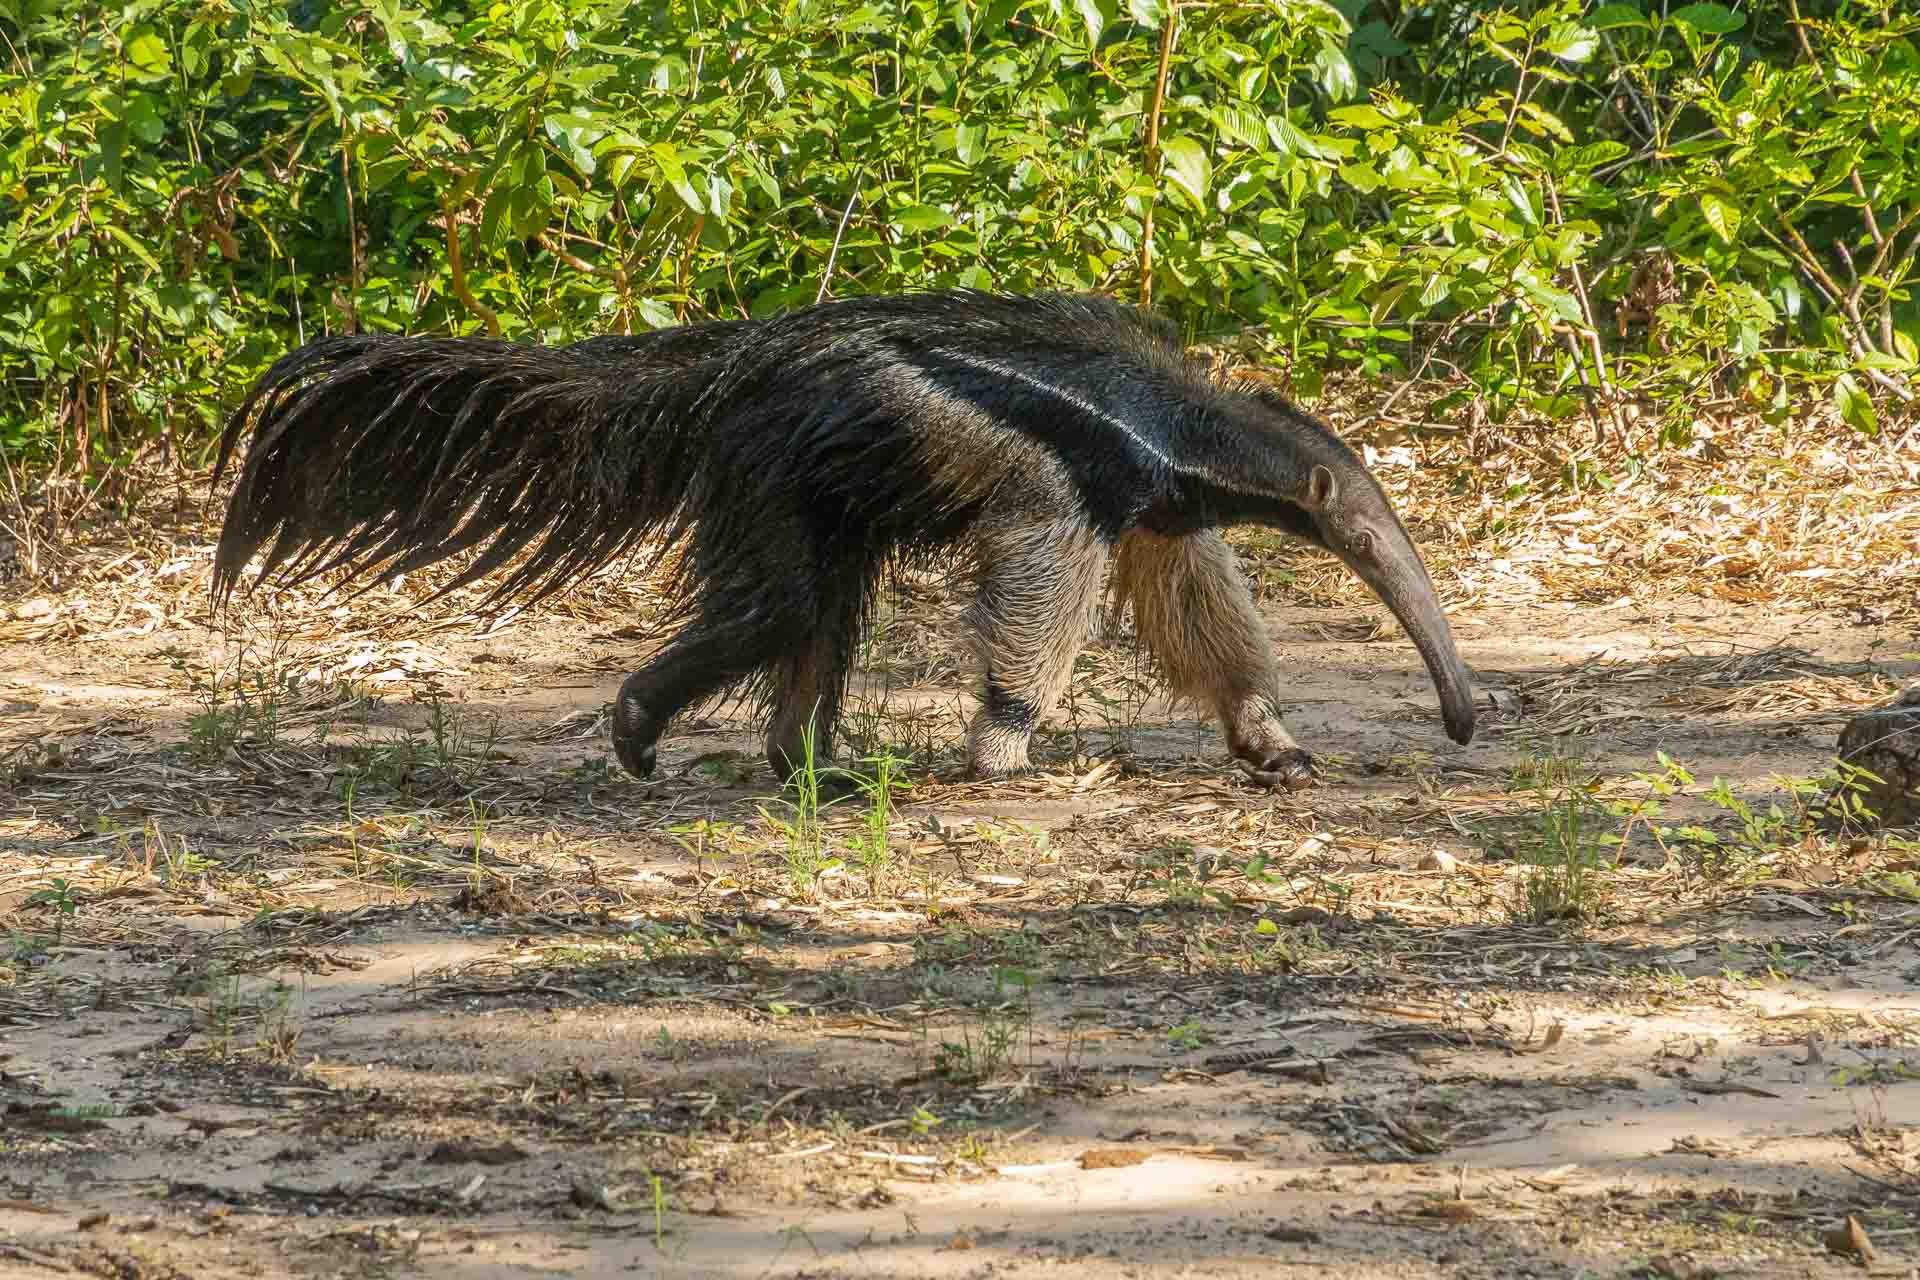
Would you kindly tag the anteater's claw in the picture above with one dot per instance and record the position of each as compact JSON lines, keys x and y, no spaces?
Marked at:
{"x":1288,"y":770}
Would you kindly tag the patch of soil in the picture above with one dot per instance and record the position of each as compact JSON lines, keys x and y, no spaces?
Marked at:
{"x":336,"y":947}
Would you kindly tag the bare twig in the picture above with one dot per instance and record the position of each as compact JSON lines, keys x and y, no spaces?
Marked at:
{"x":1167,"y":32}
{"x":458,"y":272}
{"x":1883,"y":242}
{"x":355,"y":268}
{"x":1592,"y":335}
{"x":839,"y":232}
{"x":1820,"y":70}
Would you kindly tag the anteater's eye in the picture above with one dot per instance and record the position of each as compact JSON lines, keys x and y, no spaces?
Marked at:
{"x":1363,"y":543}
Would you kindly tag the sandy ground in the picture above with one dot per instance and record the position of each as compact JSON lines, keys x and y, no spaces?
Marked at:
{"x":413,"y":983}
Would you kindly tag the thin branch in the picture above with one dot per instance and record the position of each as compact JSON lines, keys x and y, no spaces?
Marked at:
{"x":548,"y":241}
{"x":458,"y":272}
{"x":1811,"y":261}
{"x":1597,"y":351}
{"x":355,"y":268}
{"x":1819,"y":69}
{"x":1153,"y":151}
{"x":840,"y":231}
{"x":1881,"y":259}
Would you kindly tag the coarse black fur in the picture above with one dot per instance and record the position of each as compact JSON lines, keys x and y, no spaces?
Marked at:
{"x":792,"y":460}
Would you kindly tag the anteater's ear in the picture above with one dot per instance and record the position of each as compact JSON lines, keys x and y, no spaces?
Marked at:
{"x":1317,"y":490}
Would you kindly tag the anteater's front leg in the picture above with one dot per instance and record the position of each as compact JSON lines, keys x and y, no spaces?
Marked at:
{"x":1192,"y":609}
{"x":1039,"y":586}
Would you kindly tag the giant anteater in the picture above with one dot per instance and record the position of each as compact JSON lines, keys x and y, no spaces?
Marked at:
{"x":792,"y":460}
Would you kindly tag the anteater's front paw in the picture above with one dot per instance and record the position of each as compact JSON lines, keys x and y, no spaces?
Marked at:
{"x":1282,"y":769}
{"x":635,"y":732}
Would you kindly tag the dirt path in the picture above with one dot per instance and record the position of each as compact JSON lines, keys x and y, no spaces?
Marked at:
{"x":339,"y":949}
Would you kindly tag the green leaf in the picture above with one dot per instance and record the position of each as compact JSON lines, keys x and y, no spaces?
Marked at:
{"x":1587,"y":157}
{"x":1363,"y":178}
{"x":143,"y":118}
{"x":1289,"y":140}
{"x":1335,"y":73}
{"x":667,"y":157}
{"x":967,"y":140}
{"x":574,"y":135}
{"x":1095,"y":21}
{"x":1363,"y":116}
{"x":133,"y":246}
{"x":196,"y":47}
{"x":1558,"y":301}
{"x":1856,"y":409}
{"x":1238,"y":190}
{"x":1570,"y":42}
{"x":1241,"y":125}
{"x":175,"y":302}
{"x":1722,"y":216}
{"x":1148,"y":13}
{"x":994,"y":17}
{"x":656,"y":314}
{"x":112,"y":146}
{"x":1709,"y":19}
{"x":1186,"y":163}
{"x":148,"y":53}
{"x":1540,"y":120}
{"x":56,"y":325}
{"x":719,"y":195}
{"x":921,"y":217}
{"x":1609,"y":17}
{"x":1520,"y":198}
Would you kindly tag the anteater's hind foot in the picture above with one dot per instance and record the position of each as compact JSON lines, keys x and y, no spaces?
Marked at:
{"x":1038,"y":591}
{"x":809,"y":683}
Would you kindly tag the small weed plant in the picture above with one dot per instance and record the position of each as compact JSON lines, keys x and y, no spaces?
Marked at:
{"x":801,"y":835}
{"x":985,"y":1050}
{"x":871,"y":845}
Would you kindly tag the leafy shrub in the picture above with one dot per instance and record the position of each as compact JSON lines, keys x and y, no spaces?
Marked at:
{"x":188,"y":187}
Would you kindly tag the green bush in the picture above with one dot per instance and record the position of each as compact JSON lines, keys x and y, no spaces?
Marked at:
{"x":189,"y":187}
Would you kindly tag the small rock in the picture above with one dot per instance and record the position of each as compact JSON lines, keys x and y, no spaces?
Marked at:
{"x":1112,"y":1157}
{"x":1849,"y":1240}
{"x":1438,"y":860}
{"x":587,"y":1194}
{"x":1886,"y":743}
{"x":475,"y":1153}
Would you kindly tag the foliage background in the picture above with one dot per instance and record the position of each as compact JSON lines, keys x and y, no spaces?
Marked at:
{"x":1556,"y":204}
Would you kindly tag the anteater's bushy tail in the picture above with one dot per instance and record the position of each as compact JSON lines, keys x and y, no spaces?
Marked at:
{"x":789,"y":456}
{"x":390,"y":453}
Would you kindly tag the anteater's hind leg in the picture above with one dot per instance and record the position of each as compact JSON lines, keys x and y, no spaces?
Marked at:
{"x":1039,"y":587}
{"x":810,"y":682}
{"x":711,"y":653}
{"x":1192,"y":609}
